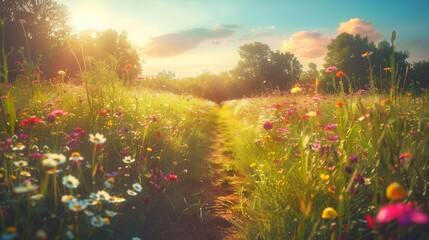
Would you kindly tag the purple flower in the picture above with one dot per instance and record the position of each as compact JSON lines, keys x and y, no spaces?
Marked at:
{"x":331,"y":69}
{"x":24,"y":137}
{"x":267,"y":125}
{"x":348,"y":169}
{"x":36,"y":155}
{"x":402,"y":213}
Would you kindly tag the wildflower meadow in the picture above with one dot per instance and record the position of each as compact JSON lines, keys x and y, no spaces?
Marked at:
{"x":102,"y":153}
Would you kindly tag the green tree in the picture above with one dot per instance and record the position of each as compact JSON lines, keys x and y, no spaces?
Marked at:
{"x":386,"y":59}
{"x":285,"y":69}
{"x":260,"y":68}
{"x":108,"y":46}
{"x":309,"y":76}
{"x":38,"y":28}
{"x":252,"y":69}
{"x":345,"y":52}
{"x":420,"y":73}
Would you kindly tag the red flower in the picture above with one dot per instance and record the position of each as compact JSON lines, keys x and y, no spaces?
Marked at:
{"x":103,"y":112}
{"x":340,"y":74}
{"x":404,"y":155}
{"x":30,"y":122}
{"x":172,"y":178}
{"x":369,"y":221}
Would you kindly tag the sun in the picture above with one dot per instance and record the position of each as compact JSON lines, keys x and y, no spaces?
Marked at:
{"x":88,"y":17}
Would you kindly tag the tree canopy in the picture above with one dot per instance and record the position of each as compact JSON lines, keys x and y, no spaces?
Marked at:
{"x":38,"y":32}
{"x":259,"y":67}
{"x":108,"y":45}
{"x":359,"y":58}
{"x":34,"y":29}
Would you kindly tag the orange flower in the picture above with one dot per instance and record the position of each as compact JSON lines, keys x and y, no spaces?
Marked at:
{"x":367,"y":54}
{"x":387,"y":69}
{"x":395,"y":191}
{"x":128,"y":67}
{"x":340,"y":74}
{"x":340,"y":104}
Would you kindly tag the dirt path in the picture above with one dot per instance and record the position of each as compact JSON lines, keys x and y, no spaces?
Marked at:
{"x":217,"y":218}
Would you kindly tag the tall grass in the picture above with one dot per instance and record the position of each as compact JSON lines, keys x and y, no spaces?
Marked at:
{"x":86,"y":161}
{"x":326,"y":151}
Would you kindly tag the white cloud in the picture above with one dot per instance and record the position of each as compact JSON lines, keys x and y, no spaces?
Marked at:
{"x":173,"y":44}
{"x":306,"y":45}
{"x":359,"y":26}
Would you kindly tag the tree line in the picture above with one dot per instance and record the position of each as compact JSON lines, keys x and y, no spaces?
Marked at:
{"x":36,"y":37}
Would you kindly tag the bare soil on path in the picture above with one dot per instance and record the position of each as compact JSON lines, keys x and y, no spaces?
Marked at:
{"x":218,"y":217}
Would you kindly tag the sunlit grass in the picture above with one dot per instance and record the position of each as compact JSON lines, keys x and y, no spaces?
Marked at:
{"x":302,"y":155}
{"x":85,"y":159}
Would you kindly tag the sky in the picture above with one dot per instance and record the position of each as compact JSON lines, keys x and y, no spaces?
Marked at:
{"x":190,"y":37}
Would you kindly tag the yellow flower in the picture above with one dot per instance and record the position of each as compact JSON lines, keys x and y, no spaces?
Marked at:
{"x":296,"y":90}
{"x":324,"y":176}
{"x":311,"y":114}
{"x":329,"y":213}
{"x":109,"y":123}
{"x":149,"y":149}
{"x":395,"y":192}
{"x":25,"y":173}
{"x":61,"y":72}
{"x":252,"y":165}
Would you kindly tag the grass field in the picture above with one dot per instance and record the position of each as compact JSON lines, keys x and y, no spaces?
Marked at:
{"x":106,"y":159}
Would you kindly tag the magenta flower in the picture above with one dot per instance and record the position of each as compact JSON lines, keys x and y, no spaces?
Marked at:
{"x":332,"y":138}
{"x":51,"y":117}
{"x":282,"y":130}
{"x":267,"y":125}
{"x":402,"y":213}
{"x":353,"y":158}
{"x":331,"y":69}
{"x":330,"y":126}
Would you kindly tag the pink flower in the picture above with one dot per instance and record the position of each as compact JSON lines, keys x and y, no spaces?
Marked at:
{"x":332,"y":138}
{"x":353,"y":158}
{"x":282,"y":130}
{"x":267,"y":125}
{"x":330,"y":126}
{"x":402,"y":213}
{"x":331,"y":69}
{"x":58,"y":113}
{"x":316,"y":146}
{"x":51,"y":117}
